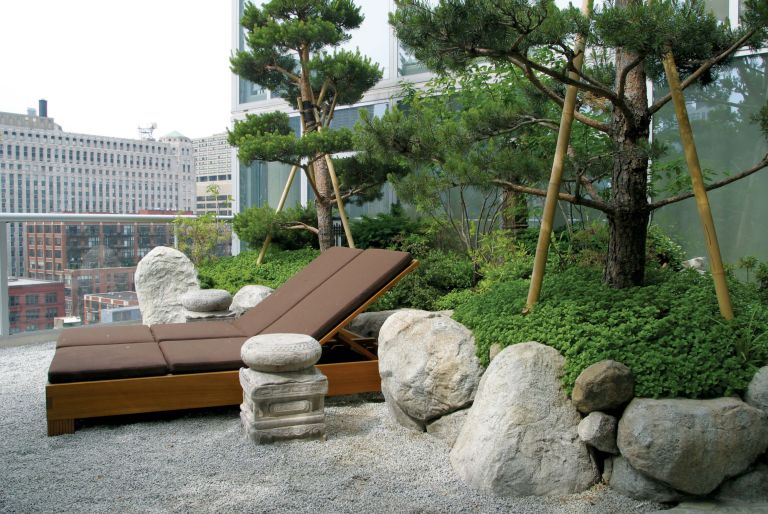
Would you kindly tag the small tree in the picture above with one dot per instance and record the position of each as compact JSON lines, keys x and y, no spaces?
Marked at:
{"x":629,"y":39}
{"x":198,"y":237}
{"x":474,"y":141}
{"x":288,"y":53}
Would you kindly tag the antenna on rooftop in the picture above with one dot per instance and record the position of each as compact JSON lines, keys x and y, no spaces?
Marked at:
{"x":145,"y":133}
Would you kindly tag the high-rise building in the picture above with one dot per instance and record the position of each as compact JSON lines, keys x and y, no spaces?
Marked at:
{"x":44,"y":169}
{"x":213,"y":167}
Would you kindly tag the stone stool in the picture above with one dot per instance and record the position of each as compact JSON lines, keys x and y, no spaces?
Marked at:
{"x":283,"y":393}
{"x":206,"y":304}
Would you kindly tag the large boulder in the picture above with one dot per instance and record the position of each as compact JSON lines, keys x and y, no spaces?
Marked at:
{"x":520,"y":437}
{"x":603,"y":386}
{"x":599,"y":431}
{"x":162,"y":277}
{"x":751,"y":486}
{"x":630,"y":482}
{"x":448,"y":427}
{"x":692,"y":445}
{"x":368,"y":324}
{"x":248,"y":297}
{"x":427,"y":365}
{"x":757,"y":392}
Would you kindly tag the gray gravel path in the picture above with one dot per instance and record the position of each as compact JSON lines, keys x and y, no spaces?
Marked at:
{"x":199,"y":462}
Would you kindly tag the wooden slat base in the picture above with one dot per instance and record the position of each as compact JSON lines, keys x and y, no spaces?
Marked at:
{"x":77,"y":400}
{"x":61,"y":426}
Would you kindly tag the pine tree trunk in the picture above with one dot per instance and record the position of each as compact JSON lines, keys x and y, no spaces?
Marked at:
{"x":324,"y":205}
{"x":514,"y":210}
{"x":321,"y":174}
{"x":628,"y":223}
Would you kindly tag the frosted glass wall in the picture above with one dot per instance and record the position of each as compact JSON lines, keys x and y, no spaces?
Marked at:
{"x":728,"y":142}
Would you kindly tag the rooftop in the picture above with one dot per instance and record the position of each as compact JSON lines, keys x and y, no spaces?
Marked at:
{"x":19,"y":282}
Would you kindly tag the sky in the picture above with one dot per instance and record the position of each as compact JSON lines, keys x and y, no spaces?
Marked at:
{"x":107,"y":67}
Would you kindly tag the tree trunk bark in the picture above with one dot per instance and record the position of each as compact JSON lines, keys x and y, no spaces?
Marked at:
{"x":514,"y":210}
{"x":628,"y":222}
{"x":320,"y":168}
{"x":324,"y":205}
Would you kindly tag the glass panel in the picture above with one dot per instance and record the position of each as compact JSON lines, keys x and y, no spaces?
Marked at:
{"x":728,"y":142}
{"x":719,"y":8}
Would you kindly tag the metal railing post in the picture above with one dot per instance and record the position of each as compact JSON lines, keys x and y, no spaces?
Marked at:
{"x":5,"y":299}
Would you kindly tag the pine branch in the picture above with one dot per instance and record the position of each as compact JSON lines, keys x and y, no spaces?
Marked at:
{"x":625,"y":73}
{"x":576,"y":200}
{"x":581,"y":118}
{"x":297,"y":225}
{"x":708,"y":64}
{"x":674,"y":199}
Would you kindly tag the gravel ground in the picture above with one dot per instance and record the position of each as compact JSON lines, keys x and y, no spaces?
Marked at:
{"x":200,"y":462}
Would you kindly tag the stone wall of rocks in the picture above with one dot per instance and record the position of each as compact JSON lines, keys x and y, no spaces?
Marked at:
{"x":672,"y":449}
{"x":515,"y":432}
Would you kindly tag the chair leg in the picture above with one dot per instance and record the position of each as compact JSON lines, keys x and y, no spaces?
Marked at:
{"x":61,"y":426}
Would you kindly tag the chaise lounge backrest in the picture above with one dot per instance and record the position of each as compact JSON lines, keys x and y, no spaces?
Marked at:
{"x":314,"y":301}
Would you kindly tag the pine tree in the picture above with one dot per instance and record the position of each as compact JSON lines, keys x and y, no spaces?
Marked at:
{"x":292,"y":50}
{"x":631,"y":37}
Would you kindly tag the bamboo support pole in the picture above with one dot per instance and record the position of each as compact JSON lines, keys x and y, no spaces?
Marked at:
{"x":280,"y":206}
{"x":339,"y":201}
{"x":699,"y":189}
{"x":556,"y":176}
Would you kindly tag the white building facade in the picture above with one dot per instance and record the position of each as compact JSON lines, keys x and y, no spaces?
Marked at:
{"x":44,"y":169}
{"x":213,"y":167}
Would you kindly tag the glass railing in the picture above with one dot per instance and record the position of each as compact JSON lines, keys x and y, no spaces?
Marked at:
{"x":59,"y":270}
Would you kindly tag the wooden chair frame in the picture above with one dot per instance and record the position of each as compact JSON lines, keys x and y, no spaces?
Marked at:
{"x":67,"y":402}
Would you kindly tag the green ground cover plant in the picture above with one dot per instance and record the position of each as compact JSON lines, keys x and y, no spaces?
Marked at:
{"x":232,"y":273}
{"x":668,"y":332}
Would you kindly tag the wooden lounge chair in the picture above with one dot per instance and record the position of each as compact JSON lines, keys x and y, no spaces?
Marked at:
{"x":106,"y":371}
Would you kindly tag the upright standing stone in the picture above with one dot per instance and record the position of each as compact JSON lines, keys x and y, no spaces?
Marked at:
{"x":520,"y":437}
{"x":283,"y":394}
{"x":428,"y":366}
{"x":162,"y":277}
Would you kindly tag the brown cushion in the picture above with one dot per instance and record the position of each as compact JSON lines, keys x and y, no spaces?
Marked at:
{"x":294,"y":290}
{"x":327,"y":306}
{"x":195,"y":330}
{"x":104,"y":362}
{"x":199,"y":355}
{"x":86,"y":336}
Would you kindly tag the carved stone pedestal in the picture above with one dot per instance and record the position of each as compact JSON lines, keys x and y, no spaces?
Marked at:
{"x":285,"y":404}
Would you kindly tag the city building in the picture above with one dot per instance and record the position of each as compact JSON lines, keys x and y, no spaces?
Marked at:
{"x":111,"y":307}
{"x":34,"y":304}
{"x":213,"y":169}
{"x":91,"y":257}
{"x":44,"y":169}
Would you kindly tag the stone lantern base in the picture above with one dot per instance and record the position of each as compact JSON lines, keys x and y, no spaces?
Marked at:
{"x":285,"y":405}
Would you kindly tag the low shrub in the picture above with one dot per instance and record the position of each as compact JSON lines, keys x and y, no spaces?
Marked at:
{"x":438,"y":274}
{"x":669,"y":332}
{"x":232,"y":273}
{"x":385,"y":230}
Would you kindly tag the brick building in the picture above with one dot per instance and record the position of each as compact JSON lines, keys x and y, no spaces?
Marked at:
{"x":34,"y":304}
{"x":97,"y":306}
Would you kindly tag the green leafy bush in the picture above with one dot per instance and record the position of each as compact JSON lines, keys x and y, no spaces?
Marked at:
{"x":438,"y":273}
{"x":254,"y":224}
{"x":232,"y":273}
{"x":385,"y":230}
{"x":669,"y":332}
